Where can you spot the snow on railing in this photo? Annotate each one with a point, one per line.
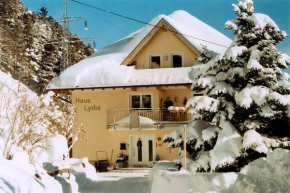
(142, 118)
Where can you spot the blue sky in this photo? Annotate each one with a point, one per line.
(106, 28)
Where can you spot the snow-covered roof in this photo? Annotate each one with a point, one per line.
(103, 68)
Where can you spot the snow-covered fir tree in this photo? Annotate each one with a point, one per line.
(246, 108)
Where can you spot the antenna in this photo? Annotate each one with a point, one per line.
(65, 60)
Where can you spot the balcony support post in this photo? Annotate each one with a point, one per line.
(139, 119)
(184, 147)
(130, 118)
(115, 120)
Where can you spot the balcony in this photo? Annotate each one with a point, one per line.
(146, 118)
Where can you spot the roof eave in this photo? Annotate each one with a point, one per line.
(59, 90)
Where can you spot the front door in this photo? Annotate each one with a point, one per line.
(142, 150)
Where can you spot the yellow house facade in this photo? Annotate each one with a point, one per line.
(122, 92)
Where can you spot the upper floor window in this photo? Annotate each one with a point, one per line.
(140, 101)
(154, 61)
(176, 60)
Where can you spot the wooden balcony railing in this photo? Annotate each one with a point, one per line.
(145, 118)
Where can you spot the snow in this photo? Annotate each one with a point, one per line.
(250, 94)
(10, 83)
(264, 174)
(172, 182)
(227, 147)
(174, 108)
(82, 166)
(244, 4)
(269, 174)
(202, 162)
(193, 131)
(56, 148)
(210, 133)
(15, 179)
(254, 64)
(278, 98)
(103, 69)
(107, 74)
(143, 120)
(25, 171)
(181, 20)
(202, 103)
(235, 51)
(236, 71)
(284, 59)
(222, 88)
(231, 23)
(205, 82)
(262, 20)
(162, 165)
(266, 111)
(254, 140)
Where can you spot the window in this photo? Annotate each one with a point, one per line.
(150, 150)
(141, 101)
(155, 62)
(176, 60)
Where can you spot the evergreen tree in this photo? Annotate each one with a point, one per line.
(246, 110)
(43, 12)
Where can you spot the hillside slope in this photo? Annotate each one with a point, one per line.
(31, 45)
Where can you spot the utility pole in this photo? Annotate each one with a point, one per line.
(91, 40)
(65, 60)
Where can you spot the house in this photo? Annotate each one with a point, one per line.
(122, 91)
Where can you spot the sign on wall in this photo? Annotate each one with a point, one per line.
(87, 104)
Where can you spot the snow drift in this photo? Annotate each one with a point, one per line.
(269, 174)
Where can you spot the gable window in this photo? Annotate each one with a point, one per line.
(140, 101)
(176, 60)
(154, 61)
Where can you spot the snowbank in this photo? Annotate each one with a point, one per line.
(16, 179)
(162, 165)
(269, 174)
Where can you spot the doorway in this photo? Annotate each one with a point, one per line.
(142, 150)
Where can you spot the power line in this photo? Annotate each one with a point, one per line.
(139, 21)
(109, 22)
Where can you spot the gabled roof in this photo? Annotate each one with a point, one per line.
(161, 25)
(103, 68)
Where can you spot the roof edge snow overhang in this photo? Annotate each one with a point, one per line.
(69, 90)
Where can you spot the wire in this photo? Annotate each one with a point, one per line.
(139, 21)
(109, 22)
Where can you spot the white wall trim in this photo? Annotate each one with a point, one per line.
(141, 93)
(155, 54)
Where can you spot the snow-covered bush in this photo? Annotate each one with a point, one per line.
(28, 122)
(247, 102)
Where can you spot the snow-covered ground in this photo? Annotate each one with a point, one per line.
(269, 174)
(121, 182)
